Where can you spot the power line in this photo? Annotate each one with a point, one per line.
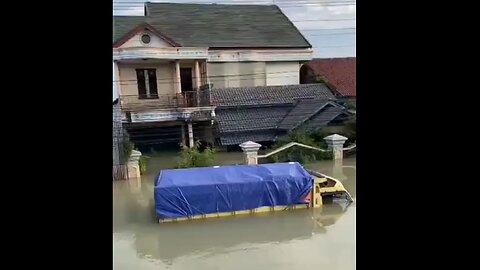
(170, 80)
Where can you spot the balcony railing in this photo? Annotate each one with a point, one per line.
(181, 100)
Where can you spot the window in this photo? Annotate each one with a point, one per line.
(147, 83)
(146, 38)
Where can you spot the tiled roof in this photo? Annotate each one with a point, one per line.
(261, 113)
(124, 24)
(244, 119)
(324, 117)
(340, 73)
(303, 110)
(263, 95)
(238, 138)
(214, 25)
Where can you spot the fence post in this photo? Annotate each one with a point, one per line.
(335, 143)
(250, 152)
(133, 165)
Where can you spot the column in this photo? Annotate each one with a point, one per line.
(182, 129)
(177, 80)
(190, 134)
(116, 80)
(250, 152)
(335, 143)
(197, 81)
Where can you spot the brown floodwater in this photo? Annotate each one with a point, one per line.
(321, 238)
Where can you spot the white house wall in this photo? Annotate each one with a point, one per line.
(236, 74)
(282, 73)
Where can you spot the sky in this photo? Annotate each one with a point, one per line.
(329, 25)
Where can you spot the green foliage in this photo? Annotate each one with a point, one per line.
(300, 154)
(320, 79)
(194, 157)
(351, 105)
(351, 130)
(127, 146)
(142, 162)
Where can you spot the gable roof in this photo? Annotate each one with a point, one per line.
(303, 110)
(140, 28)
(124, 24)
(217, 26)
(327, 115)
(339, 72)
(264, 95)
(264, 112)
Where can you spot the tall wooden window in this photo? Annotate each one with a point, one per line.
(147, 83)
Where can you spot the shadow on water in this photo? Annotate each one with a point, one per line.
(134, 215)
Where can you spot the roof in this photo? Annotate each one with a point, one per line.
(243, 119)
(303, 110)
(340, 74)
(122, 25)
(252, 135)
(264, 95)
(217, 26)
(328, 114)
(263, 113)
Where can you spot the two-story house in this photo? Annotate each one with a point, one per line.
(167, 61)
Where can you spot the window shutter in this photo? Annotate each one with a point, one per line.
(142, 92)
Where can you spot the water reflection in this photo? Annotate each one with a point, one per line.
(169, 241)
(134, 218)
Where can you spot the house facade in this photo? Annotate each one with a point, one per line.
(167, 62)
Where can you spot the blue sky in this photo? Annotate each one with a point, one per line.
(329, 25)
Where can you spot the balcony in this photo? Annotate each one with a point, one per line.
(191, 99)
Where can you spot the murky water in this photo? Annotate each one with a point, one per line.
(302, 239)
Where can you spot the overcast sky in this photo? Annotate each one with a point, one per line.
(329, 25)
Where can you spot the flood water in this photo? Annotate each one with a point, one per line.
(321, 238)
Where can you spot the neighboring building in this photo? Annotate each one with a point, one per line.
(166, 63)
(265, 113)
(338, 73)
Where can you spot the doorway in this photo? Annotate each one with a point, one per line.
(186, 79)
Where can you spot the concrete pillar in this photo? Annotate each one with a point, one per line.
(182, 129)
(116, 81)
(250, 152)
(203, 67)
(177, 80)
(197, 81)
(335, 143)
(133, 165)
(190, 134)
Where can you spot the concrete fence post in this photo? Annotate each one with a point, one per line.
(335, 144)
(133, 165)
(250, 152)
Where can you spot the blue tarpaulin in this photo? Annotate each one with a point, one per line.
(198, 191)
